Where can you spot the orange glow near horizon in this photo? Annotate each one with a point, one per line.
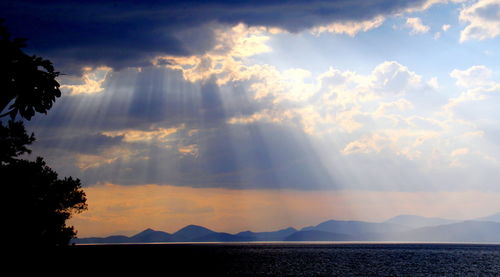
(126, 210)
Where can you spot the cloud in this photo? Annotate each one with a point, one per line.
(433, 83)
(191, 149)
(228, 65)
(478, 85)
(225, 59)
(93, 81)
(218, 119)
(231, 159)
(483, 18)
(392, 77)
(459, 152)
(75, 34)
(334, 100)
(161, 135)
(463, 157)
(158, 128)
(376, 119)
(104, 158)
(398, 105)
(350, 28)
(416, 26)
(475, 76)
(429, 3)
(366, 145)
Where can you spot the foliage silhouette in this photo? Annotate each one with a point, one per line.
(13, 141)
(27, 83)
(41, 201)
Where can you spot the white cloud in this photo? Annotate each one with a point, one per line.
(350, 28)
(478, 86)
(233, 45)
(429, 3)
(416, 26)
(398, 105)
(369, 114)
(339, 97)
(433, 83)
(392, 77)
(459, 152)
(475, 76)
(444, 28)
(483, 18)
(374, 143)
(92, 78)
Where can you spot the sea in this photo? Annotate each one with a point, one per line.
(295, 259)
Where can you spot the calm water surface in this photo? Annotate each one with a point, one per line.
(308, 259)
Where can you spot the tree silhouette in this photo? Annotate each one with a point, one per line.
(27, 83)
(13, 141)
(43, 203)
(39, 202)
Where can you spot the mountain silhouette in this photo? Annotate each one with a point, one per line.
(268, 236)
(150, 235)
(110, 239)
(493, 218)
(483, 229)
(355, 227)
(467, 231)
(315, 235)
(192, 233)
(414, 221)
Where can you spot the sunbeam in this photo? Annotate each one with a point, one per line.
(259, 122)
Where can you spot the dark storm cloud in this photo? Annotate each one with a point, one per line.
(129, 33)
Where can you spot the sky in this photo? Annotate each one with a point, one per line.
(261, 115)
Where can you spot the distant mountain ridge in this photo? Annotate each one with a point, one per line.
(356, 227)
(493, 218)
(192, 233)
(414, 221)
(466, 231)
(150, 235)
(399, 228)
